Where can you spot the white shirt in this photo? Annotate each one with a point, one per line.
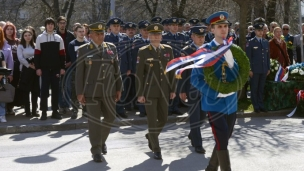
(228, 56)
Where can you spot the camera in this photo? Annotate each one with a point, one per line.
(5, 71)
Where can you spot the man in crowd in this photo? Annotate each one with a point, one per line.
(50, 65)
(297, 46)
(98, 86)
(289, 40)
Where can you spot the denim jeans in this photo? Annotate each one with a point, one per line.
(2, 109)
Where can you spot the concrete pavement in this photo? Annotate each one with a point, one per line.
(22, 124)
(257, 144)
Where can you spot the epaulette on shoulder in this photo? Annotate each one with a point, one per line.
(250, 39)
(166, 33)
(144, 47)
(166, 46)
(186, 47)
(84, 45)
(109, 43)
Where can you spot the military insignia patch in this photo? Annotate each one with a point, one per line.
(115, 20)
(222, 17)
(130, 25)
(174, 20)
(137, 59)
(261, 25)
(155, 27)
(100, 26)
(110, 52)
(167, 55)
(146, 24)
(201, 30)
(91, 46)
(247, 44)
(157, 19)
(194, 21)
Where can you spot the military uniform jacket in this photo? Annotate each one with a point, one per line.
(137, 43)
(210, 100)
(97, 71)
(121, 42)
(258, 54)
(152, 81)
(177, 42)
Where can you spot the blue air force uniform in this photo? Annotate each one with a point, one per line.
(121, 42)
(257, 50)
(197, 115)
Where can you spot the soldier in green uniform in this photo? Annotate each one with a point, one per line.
(98, 86)
(154, 86)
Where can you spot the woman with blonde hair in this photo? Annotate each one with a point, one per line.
(278, 49)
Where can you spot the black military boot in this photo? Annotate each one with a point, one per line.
(224, 160)
(213, 163)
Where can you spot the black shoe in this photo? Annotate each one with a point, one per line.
(157, 155)
(123, 115)
(177, 112)
(142, 114)
(263, 110)
(149, 143)
(190, 140)
(97, 158)
(200, 150)
(43, 116)
(35, 114)
(56, 115)
(74, 115)
(104, 149)
(256, 110)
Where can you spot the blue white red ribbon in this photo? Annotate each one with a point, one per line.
(298, 100)
(280, 74)
(203, 58)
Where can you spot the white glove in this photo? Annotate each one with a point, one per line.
(229, 58)
(225, 95)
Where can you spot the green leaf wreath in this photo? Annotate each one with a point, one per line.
(228, 87)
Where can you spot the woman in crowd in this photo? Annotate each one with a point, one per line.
(29, 81)
(10, 36)
(8, 57)
(34, 37)
(277, 47)
(86, 31)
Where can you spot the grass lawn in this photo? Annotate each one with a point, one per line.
(245, 104)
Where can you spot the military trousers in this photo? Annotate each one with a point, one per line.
(157, 115)
(222, 127)
(257, 84)
(196, 118)
(99, 129)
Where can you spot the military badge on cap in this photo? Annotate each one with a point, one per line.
(174, 20)
(130, 25)
(100, 26)
(155, 27)
(115, 20)
(201, 30)
(218, 18)
(222, 17)
(146, 24)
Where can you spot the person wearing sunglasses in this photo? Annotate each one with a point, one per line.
(289, 41)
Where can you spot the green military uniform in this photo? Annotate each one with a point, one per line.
(155, 85)
(98, 79)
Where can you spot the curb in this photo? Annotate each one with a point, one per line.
(117, 123)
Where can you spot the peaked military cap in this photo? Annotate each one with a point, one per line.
(155, 28)
(130, 25)
(156, 20)
(165, 21)
(173, 20)
(204, 21)
(143, 24)
(97, 27)
(194, 21)
(259, 23)
(115, 20)
(181, 21)
(199, 30)
(218, 18)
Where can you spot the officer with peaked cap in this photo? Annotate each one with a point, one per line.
(166, 25)
(187, 91)
(98, 86)
(120, 41)
(177, 41)
(156, 19)
(194, 21)
(221, 108)
(257, 50)
(154, 86)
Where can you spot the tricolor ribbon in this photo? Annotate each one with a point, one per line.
(204, 57)
(280, 74)
(298, 100)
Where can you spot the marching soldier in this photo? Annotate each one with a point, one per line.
(154, 87)
(138, 43)
(187, 91)
(119, 40)
(177, 41)
(98, 86)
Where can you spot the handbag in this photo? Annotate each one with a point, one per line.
(7, 93)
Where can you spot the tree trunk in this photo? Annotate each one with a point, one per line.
(259, 9)
(286, 11)
(271, 8)
(243, 18)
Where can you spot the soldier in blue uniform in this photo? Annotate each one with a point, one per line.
(166, 25)
(194, 21)
(177, 41)
(156, 19)
(120, 41)
(138, 43)
(187, 91)
(209, 36)
(257, 50)
(221, 108)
